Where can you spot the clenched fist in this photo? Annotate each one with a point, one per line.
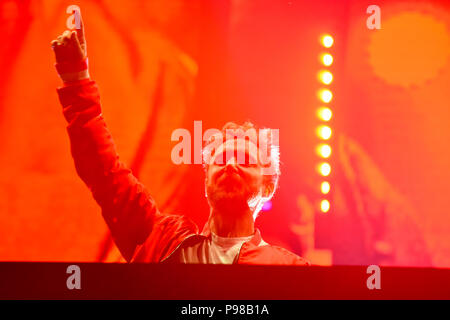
(71, 55)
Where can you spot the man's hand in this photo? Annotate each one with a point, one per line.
(70, 53)
(70, 45)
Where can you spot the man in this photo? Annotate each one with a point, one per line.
(236, 190)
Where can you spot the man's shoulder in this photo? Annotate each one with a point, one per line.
(176, 222)
(169, 231)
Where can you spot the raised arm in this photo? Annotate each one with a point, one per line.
(127, 207)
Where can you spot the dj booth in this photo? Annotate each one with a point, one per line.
(39, 280)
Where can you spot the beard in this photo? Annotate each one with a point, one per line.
(231, 194)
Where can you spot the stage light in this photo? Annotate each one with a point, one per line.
(325, 187)
(324, 169)
(267, 206)
(325, 95)
(324, 114)
(323, 150)
(324, 132)
(327, 41)
(326, 77)
(324, 206)
(327, 59)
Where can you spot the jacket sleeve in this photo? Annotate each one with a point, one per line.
(128, 209)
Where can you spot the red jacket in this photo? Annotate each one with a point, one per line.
(140, 231)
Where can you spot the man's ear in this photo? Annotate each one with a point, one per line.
(269, 188)
(206, 185)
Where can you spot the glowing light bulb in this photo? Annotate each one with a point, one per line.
(324, 169)
(325, 187)
(324, 132)
(327, 59)
(326, 77)
(325, 95)
(323, 150)
(327, 41)
(324, 113)
(324, 206)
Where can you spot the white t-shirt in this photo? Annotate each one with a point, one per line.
(216, 250)
(224, 250)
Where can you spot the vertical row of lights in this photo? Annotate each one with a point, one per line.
(324, 113)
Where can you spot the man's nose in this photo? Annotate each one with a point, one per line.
(231, 164)
(231, 161)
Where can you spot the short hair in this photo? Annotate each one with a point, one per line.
(272, 149)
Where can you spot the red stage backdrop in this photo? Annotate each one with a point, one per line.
(161, 65)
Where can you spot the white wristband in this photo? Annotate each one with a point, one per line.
(75, 76)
